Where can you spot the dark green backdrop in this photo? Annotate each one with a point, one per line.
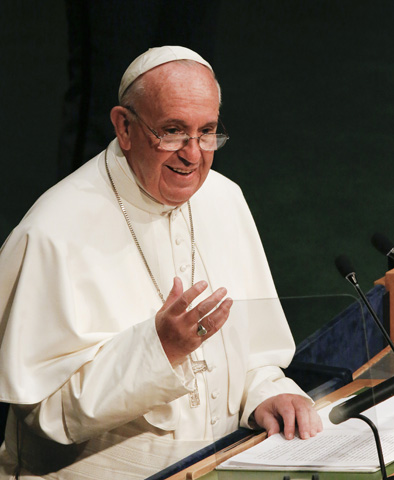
(308, 100)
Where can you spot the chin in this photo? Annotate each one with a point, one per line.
(177, 200)
(175, 203)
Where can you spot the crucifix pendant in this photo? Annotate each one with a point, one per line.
(198, 366)
(194, 396)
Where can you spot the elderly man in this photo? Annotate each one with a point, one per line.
(117, 356)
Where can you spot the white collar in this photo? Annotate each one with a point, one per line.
(128, 185)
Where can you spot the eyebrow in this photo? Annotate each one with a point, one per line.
(178, 121)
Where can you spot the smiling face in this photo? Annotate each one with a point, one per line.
(177, 98)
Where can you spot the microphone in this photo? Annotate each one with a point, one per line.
(385, 246)
(347, 271)
(352, 408)
(365, 400)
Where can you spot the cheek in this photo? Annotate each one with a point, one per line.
(155, 170)
(150, 163)
(207, 163)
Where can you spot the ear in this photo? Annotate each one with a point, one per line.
(122, 126)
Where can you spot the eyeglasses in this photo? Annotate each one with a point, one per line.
(176, 141)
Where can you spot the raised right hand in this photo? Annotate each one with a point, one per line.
(177, 326)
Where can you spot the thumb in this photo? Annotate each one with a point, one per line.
(175, 293)
(271, 424)
(265, 418)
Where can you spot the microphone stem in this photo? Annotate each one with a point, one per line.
(374, 316)
(377, 442)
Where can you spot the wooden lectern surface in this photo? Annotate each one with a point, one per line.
(205, 469)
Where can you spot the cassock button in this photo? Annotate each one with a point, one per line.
(215, 394)
(178, 241)
(183, 268)
(214, 420)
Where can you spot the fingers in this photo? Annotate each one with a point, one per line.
(289, 421)
(204, 307)
(266, 415)
(183, 301)
(214, 321)
(316, 423)
(299, 413)
(308, 420)
(272, 425)
(177, 327)
(175, 293)
(291, 411)
(178, 304)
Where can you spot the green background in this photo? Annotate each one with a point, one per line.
(308, 101)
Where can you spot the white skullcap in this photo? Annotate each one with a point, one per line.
(153, 58)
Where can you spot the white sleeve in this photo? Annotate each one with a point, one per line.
(117, 386)
(72, 377)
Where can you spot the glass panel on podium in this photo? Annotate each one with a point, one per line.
(346, 344)
(270, 347)
(339, 339)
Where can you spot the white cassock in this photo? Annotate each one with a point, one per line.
(80, 356)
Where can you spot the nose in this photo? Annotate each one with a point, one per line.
(191, 152)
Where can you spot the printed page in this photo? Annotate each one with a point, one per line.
(349, 446)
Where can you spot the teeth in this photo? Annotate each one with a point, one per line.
(178, 170)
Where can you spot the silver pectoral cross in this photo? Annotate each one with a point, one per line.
(198, 366)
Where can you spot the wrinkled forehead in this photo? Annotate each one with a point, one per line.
(178, 85)
(179, 74)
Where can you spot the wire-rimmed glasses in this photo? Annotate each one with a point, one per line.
(176, 141)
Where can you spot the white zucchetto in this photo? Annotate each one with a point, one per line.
(155, 57)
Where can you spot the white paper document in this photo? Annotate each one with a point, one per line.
(349, 446)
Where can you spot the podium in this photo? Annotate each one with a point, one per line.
(381, 367)
(371, 373)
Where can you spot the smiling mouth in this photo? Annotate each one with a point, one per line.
(180, 171)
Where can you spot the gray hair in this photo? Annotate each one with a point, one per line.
(137, 89)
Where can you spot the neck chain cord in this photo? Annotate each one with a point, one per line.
(127, 218)
(198, 366)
